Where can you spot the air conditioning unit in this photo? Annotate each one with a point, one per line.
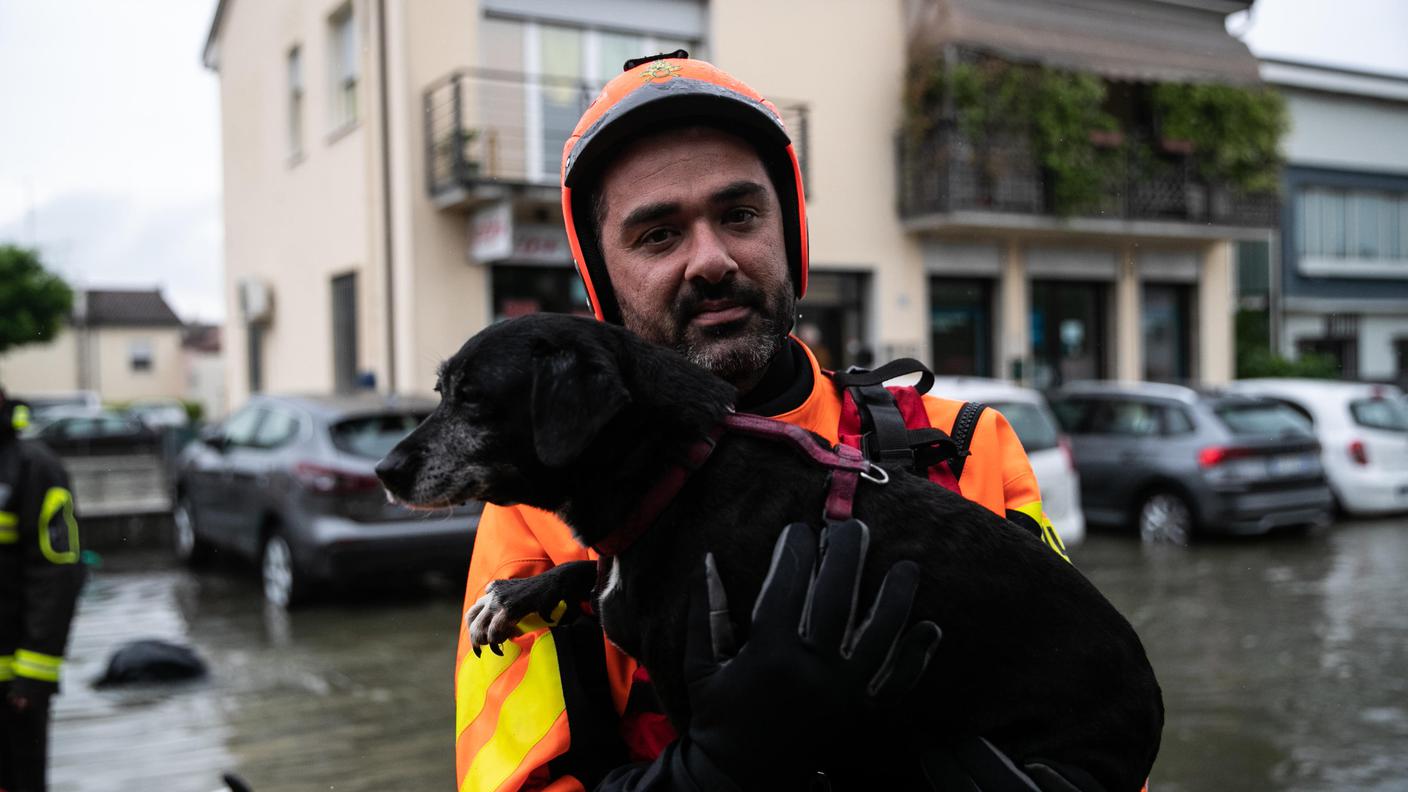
(256, 300)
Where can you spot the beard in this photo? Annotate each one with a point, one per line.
(736, 352)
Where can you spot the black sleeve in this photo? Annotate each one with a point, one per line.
(52, 572)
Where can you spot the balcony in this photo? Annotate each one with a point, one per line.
(946, 181)
(491, 135)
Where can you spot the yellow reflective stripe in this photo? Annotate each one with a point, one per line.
(7, 668)
(535, 622)
(56, 499)
(33, 665)
(19, 419)
(9, 531)
(475, 676)
(1048, 531)
(527, 715)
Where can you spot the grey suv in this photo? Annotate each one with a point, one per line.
(1173, 460)
(288, 482)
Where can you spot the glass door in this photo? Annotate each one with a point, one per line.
(1068, 332)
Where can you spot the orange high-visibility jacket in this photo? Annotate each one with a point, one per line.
(511, 714)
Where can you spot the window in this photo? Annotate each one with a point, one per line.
(279, 427)
(1128, 418)
(1031, 424)
(1263, 418)
(373, 436)
(520, 290)
(1176, 421)
(295, 102)
(344, 332)
(345, 51)
(1380, 413)
(1167, 332)
(240, 428)
(1352, 232)
(139, 354)
(960, 326)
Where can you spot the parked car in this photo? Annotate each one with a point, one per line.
(86, 431)
(1363, 432)
(1174, 461)
(1048, 449)
(159, 413)
(287, 482)
(41, 403)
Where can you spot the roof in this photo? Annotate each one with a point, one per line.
(1149, 40)
(1335, 79)
(331, 406)
(202, 338)
(982, 389)
(126, 308)
(1129, 388)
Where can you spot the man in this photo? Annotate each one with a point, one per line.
(684, 208)
(40, 577)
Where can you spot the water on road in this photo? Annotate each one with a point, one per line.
(1284, 666)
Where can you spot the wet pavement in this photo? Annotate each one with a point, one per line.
(1284, 664)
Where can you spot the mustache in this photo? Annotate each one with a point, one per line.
(744, 294)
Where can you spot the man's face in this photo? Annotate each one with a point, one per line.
(692, 238)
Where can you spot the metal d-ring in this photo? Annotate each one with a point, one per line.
(884, 477)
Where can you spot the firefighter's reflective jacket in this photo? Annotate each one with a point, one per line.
(561, 706)
(40, 572)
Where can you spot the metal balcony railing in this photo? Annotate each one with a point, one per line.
(943, 172)
(487, 126)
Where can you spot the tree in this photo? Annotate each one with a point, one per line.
(33, 301)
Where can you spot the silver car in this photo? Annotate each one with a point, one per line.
(287, 482)
(1172, 460)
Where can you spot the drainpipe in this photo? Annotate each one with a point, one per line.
(390, 288)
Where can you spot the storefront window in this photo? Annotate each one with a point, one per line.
(833, 319)
(960, 326)
(1068, 332)
(520, 290)
(1167, 325)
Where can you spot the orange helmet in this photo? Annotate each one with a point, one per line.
(670, 90)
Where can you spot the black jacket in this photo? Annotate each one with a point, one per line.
(40, 570)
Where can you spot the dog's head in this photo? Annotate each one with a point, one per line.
(519, 404)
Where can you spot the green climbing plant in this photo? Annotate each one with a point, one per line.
(1235, 131)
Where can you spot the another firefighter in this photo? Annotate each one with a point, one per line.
(684, 207)
(40, 577)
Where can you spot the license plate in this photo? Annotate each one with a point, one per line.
(1290, 465)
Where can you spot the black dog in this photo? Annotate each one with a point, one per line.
(581, 418)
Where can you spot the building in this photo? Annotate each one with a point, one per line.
(120, 344)
(205, 369)
(1340, 284)
(391, 182)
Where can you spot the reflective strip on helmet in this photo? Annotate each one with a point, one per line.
(9, 528)
(58, 500)
(1048, 531)
(7, 668)
(33, 665)
(497, 740)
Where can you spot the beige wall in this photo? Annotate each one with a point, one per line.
(295, 222)
(42, 368)
(853, 96)
(115, 380)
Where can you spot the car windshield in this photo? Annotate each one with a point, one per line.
(1034, 428)
(1380, 413)
(373, 436)
(1268, 419)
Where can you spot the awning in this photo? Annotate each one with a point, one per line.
(1144, 40)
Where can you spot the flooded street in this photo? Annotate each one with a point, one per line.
(1282, 663)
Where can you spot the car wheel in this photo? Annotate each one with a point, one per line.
(284, 584)
(189, 547)
(1165, 518)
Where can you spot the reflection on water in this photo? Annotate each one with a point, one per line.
(1282, 662)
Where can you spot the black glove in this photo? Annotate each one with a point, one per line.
(815, 665)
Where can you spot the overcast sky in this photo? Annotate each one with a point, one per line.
(110, 141)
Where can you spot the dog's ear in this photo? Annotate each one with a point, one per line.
(573, 399)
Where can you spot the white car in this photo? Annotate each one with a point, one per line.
(1363, 434)
(1047, 448)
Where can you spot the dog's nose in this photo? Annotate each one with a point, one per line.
(395, 471)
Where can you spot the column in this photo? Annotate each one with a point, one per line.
(1129, 317)
(1015, 343)
(1214, 326)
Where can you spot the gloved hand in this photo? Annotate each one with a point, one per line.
(798, 693)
